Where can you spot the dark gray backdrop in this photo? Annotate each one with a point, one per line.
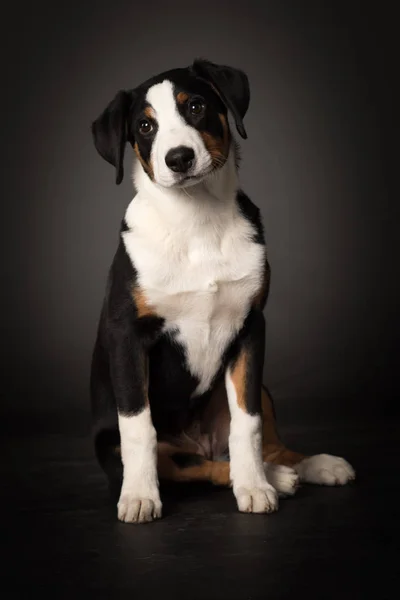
(319, 161)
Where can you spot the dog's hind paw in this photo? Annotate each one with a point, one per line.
(325, 469)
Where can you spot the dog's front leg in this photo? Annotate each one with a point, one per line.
(139, 501)
(243, 379)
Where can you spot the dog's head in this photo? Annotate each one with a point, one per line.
(177, 123)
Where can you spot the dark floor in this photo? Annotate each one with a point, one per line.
(61, 536)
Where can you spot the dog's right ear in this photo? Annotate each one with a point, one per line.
(231, 84)
(110, 131)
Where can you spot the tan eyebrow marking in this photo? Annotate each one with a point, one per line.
(182, 97)
(149, 112)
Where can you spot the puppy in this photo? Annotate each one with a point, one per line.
(176, 378)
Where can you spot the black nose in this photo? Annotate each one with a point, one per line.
(179, 159)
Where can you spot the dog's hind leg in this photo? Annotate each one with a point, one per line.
(323, 469)
(184, 460)
(176, 464)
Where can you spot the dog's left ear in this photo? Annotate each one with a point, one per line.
(231, 84)
(110, 131)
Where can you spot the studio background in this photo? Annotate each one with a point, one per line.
(319, 161)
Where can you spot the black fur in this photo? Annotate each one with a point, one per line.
(231, 84)
(124, 227)
(251, 341)
(130, 346)
(251, 212)
(110, 131)
(120, 354)
(119, 122)
(208, 120)
(183, 460)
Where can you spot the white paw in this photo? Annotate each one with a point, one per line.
(262, 499)
(132, 509)
(325, 469)
(284, 479)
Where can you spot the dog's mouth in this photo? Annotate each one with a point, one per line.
(189, 180)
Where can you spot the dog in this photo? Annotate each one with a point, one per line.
(176, 375)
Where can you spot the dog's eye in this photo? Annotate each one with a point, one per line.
(196, 107)
(145, 126)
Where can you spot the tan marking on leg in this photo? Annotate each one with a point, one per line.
(208, 470)
(280, 455)
(147, 166)
(182, 97)
(239, 378)
(269, 432)
(215, 420)
(220, 473)
(144, 309)
(273, 449)
(217, 412)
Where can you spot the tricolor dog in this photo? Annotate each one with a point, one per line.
(176, 380)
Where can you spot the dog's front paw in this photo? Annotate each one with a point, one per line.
(284, 479)
(325, 469)
(132, 509)
(260, 499)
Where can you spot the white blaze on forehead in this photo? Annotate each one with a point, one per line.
(161, 97)
(173, 131)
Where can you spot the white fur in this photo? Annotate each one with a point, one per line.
(325, 469)
(199, 267)
(284, 479)
(250, 486)
(173, 131)
(196, 263)
(139, 501)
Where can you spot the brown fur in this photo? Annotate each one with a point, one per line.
(147, 166)
(214, 471)
(149, 112)
(226, 135)
(218, 472)
(144, 309)
(216, 146)
(239, 379)
(182, 97)
(273, 449)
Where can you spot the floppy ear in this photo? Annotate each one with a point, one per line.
(110, 131)
(231, 84)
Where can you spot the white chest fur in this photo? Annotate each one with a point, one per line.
(199, 270)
